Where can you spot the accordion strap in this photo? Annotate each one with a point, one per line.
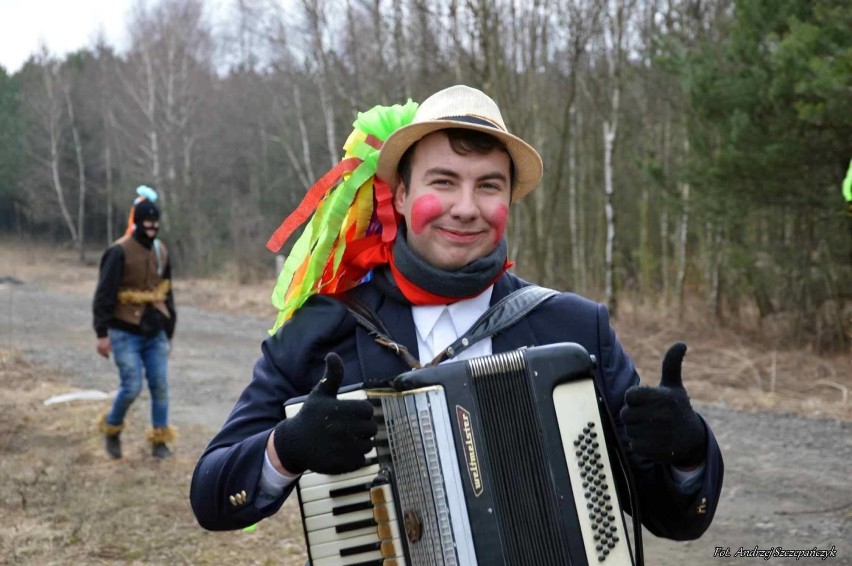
(367, 318)
(503, 314)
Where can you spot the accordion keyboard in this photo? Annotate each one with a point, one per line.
(350, 519)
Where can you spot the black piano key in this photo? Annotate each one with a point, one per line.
(355, 525)
(343, 509)
(350, 490)
(361, 549)
(376, 562)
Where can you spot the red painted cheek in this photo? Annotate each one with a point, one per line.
(498, 219)
(423, 211)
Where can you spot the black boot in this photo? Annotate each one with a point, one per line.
(158, 437)
(113, 445)
(160, 450)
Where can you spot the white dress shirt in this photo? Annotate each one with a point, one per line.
(439, 326)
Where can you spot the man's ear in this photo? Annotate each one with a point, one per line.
(399, 197)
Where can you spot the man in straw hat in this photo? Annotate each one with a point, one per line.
(134, 319)
(444, 183)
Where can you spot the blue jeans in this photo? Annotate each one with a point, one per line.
(132, 353)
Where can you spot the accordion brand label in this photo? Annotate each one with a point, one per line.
(469, 445)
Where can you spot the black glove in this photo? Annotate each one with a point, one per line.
(660, 422)
(327, 435)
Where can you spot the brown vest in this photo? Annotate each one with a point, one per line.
(140, 284)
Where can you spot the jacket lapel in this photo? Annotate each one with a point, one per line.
(380, 364)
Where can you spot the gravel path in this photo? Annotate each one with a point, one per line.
(787, 480)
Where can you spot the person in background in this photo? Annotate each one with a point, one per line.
(446, 176)
(134, 318)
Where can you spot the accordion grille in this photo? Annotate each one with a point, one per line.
(420, 482)
(525, 498)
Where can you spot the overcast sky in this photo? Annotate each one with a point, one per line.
(64, 25)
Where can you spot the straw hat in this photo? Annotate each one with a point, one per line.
(461, 107)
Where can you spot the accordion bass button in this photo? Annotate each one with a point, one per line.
(413, 526)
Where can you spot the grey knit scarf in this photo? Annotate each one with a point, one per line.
(469, 280)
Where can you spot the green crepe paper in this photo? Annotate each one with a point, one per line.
(324, 228)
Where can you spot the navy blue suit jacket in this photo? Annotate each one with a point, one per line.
(293, 362)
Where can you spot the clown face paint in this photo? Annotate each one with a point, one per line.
(424, 210)
(501, 215)
(457, 205)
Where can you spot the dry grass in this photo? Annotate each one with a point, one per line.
(65, 502)
(735, 369)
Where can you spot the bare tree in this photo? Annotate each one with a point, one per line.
(579, 20)
(81, 170)
(315, 14)
(45, 108)
(615, 32)
(682, 238)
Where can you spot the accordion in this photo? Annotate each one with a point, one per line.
(494, 460)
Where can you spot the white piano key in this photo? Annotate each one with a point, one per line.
(323, 536)
(346, 560)
(359, 558)
(322, 506)
(326, 520)
(312, 491)
(379, 531)
(388, 549)
(376, 496)
(310, 479)
(381, 513)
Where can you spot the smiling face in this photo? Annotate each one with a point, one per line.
(456, 206)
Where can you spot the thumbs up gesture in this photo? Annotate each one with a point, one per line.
(660, 422)
(327, 435)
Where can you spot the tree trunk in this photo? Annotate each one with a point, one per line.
(81, 176)
(109, 128)
(614, 56)
(54, 135)
(681, 247)
(609, 131)
(573, 228)
(303, 136)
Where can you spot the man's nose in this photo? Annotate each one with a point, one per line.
(465, 205)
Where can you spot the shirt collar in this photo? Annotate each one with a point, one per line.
(462, 313)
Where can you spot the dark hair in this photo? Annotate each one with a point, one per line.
(463, 142)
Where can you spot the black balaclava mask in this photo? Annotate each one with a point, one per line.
(144, 210)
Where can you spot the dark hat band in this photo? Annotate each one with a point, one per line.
(473, 120)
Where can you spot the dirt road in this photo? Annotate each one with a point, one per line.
(787, 479)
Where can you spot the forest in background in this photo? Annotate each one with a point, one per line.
(694, 149)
